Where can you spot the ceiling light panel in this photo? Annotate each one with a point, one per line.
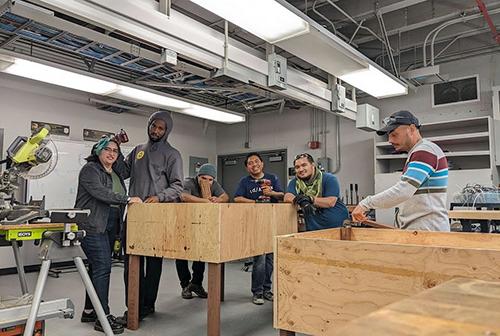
(266, 19)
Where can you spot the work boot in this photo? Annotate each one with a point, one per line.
(88, 317)
(198, 290)
(116, 327)
(186, 292)
(123, 320)
(269, 296)
(258, 299)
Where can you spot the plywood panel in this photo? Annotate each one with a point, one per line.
(322, 284)
(475, 214)
(207, 232)
(182, 231)
(261, 225)
(428, 238)
(457, 307)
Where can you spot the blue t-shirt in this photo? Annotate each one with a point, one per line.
(249, 188)
(325, 218)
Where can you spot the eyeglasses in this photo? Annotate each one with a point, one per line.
(303, 155)
(398, 119)
(113, 150)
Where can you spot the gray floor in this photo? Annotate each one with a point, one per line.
(174, 316)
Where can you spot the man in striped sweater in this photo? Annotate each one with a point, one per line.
(421, 192)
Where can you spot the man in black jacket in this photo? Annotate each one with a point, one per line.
(155, 172)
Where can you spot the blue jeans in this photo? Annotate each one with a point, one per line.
(98, 248)
(261, 273)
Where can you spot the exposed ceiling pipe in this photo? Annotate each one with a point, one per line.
(388, 44)
(424, 23)
(345, 38)
(446, 24)
(354, 21)
(487, 17)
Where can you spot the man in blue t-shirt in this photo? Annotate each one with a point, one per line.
(317, 194)
(259, 187)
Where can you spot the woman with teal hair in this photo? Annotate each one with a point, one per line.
(101, 189)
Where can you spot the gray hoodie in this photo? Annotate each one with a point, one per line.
(154, 168)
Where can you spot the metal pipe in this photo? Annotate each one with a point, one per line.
(226, 44)
(101, 315)
(356, 31)
(20, 267)
(338, 164)
(354, 21)
(495, 11)
(446, 24)
(37, 297)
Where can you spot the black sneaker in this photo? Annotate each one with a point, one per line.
(198, 290)
(186, 293)
(116, 327)
(269, 296)
(88, 317)
(258, 299)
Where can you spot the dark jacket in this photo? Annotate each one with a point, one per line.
(95, 192)
(154, 168)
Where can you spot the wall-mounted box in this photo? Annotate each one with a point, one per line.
(367, 117)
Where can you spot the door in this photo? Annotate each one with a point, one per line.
(231, 168)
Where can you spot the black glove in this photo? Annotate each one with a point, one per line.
(305, 203)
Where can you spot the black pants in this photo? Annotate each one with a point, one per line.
(149, 277)
(185, 275)
(98, 248)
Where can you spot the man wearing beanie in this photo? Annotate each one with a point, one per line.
(200, 189)
(421, 192)
(155, 172)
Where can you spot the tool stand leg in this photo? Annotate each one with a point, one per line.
(20, 267)
(93, 296)
(37, 298)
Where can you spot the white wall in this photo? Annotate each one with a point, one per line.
(419, 103)
(291, 130)
(25, 100)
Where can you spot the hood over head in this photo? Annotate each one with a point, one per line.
(167, 118)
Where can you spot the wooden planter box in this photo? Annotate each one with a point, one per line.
(325, 279)
(213, 233)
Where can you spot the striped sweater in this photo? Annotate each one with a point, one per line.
(421, 193)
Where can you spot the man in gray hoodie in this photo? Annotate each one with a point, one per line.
(155, 172)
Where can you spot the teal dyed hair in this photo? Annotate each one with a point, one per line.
(101, 144)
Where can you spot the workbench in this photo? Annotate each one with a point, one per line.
(325, 279)
(457, 307)
(212, 233)
(467, 217)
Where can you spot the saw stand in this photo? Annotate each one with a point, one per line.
(54, 241)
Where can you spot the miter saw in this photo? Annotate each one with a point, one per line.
(27, 158)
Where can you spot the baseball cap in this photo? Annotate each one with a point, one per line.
(397, 119)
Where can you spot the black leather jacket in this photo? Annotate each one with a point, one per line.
(95, 192)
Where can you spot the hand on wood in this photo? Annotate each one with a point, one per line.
(152, 199)
(134, 200)
(359, 214)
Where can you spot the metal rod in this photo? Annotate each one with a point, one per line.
(20, 267)
(226, 44)
(37, 298)
(101, 315)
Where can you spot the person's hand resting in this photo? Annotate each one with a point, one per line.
(152, 199)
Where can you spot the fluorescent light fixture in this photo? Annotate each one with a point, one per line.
(44, 73)
(375, 82)
(214, 114)
(149, 98)
(73, 80)
(266, 19)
